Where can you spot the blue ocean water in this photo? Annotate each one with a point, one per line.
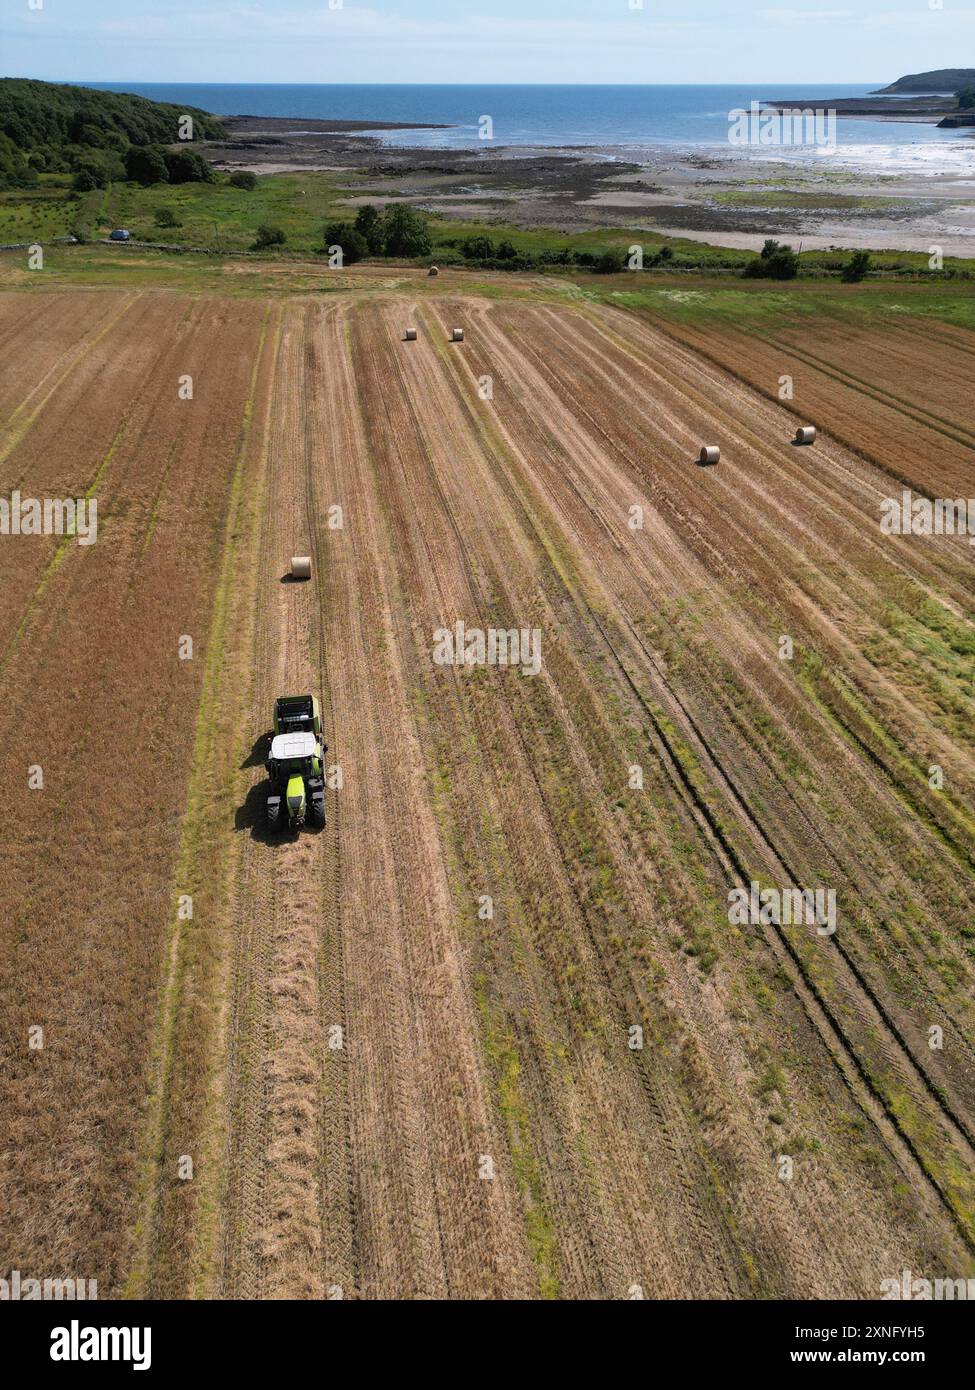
(627, 118)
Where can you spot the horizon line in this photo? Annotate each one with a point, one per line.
(195, 82)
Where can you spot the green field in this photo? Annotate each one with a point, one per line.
(223, 219)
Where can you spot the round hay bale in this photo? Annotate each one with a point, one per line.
(434, 270)
(805, 434)
(301, 567)
(710, 453)
(410, 336)
(457, 336)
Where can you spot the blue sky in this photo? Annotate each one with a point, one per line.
(481, 40)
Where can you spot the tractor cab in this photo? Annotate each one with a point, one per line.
(296, 753)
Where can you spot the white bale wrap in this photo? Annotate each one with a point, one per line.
(457, 336)
(301, 567)
(410, 335)
(806, 434)
(710, 453)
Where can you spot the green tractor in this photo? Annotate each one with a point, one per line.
(295, 764)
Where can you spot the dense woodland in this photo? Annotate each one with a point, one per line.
(47, 127)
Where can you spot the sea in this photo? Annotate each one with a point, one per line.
(622, 122)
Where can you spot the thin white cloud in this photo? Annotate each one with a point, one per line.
(938, 24)
(807, 16)
(352, 23)
(145, 27)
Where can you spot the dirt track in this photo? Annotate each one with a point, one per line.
(402, 1049)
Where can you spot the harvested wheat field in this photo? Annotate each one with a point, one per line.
(496, 1031)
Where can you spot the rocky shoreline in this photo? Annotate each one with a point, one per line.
(719, 198)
